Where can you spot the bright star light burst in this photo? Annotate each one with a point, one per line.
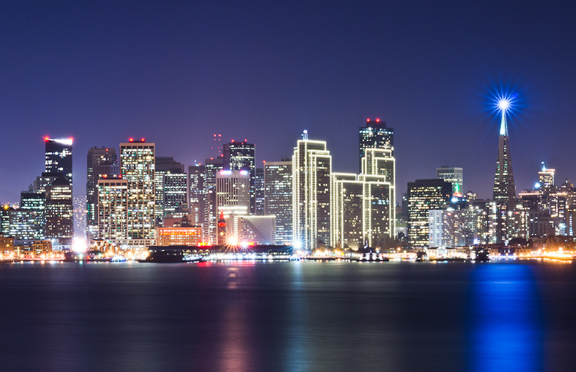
(504, 102)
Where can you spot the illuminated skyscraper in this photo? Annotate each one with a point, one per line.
(233, 192)
(196, 174)
(100, 161)
(59, 211)
(374, 135)
(363, 212)
(278, 197)
(242, 156)
(137, 167)
(58, 157)
(453, 175)
(113, 210)
(504, 188)
(209, 231)
(311, 187)
(171, 188)
(423, 196)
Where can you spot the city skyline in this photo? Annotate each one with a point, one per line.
(393, 62)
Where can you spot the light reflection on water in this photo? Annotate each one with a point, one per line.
(506, 320)
(301, 316)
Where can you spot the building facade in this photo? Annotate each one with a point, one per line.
(137, 167)
(278, 198)
(311, 187)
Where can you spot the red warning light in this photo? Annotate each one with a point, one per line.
(368, 120)
(143, 140)
(377, 120)
(46, 138)
(130, 139)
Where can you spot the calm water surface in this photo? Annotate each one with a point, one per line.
(299, 316)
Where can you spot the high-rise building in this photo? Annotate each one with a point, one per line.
(209, 225)
(374, 135)
(454, 175)
(278, 197)
(363, 206)
(113, 207)
(100, 161)
(196, 174)
(423, 196)
(546, 177)
(259, 192)
(58, 157)
(242, 156)
(137, 167)
(171, 188)
(311, 187)
(504, 188)
(60, 211)
(233, 192)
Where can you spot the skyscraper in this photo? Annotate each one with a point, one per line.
(454, 175)
(171, 187)
(278, 197)
(59, 211)
(242, 156)
(504, 188)
(311, 187)
(423, 196)
(100, 161)
(137, 166)
(363, 206)
(113, 209)
(209, 225)
(58, 157)
(196, 174)
(374, 135)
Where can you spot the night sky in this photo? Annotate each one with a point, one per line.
(265, 70)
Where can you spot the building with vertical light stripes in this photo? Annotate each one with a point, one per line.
(311, 185)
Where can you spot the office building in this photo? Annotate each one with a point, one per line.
(423, 196)
(363, 206)
(171, 184)
(504, 188)
(454, 175)
(58, 157)
(59, 212)
(374, 135)
(113, 210)
(311, 187)
(137, 167)
(278, 198)
(100, 161)
(242, 156)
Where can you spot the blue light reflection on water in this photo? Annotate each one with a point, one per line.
(505, 320)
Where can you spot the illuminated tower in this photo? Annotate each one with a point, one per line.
(504, 189)
(241, 156)
(137, 166)
(375, 135)
(278, 197)
(311, 185)
(100, 161)
(59, 211)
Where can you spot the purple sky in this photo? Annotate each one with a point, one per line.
(265, 70)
